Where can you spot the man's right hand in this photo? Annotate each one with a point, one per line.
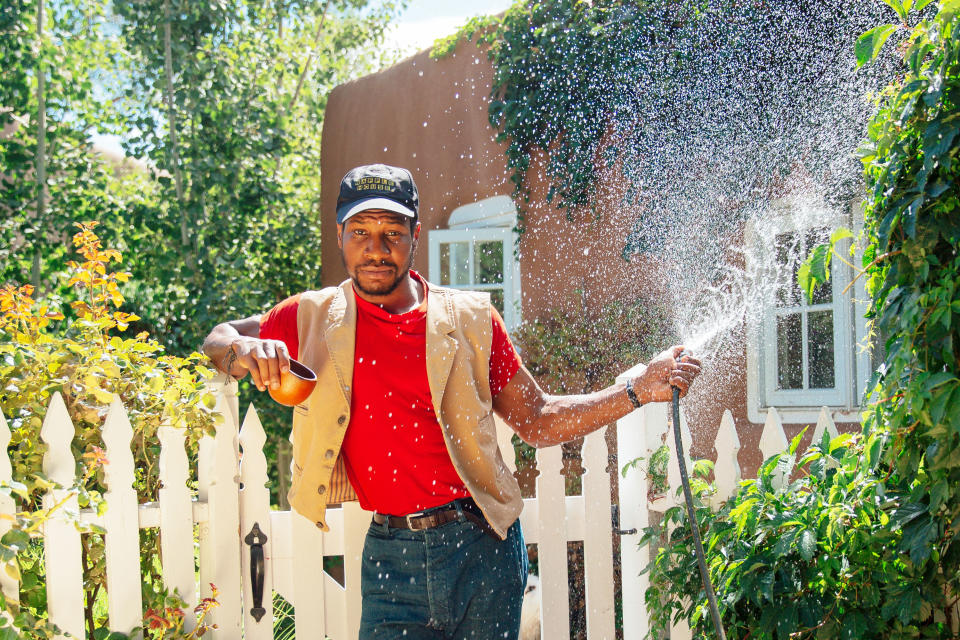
(264, 359)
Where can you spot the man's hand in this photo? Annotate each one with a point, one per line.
(667, 370)
(264, 359)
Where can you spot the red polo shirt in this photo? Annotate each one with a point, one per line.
(394, 450)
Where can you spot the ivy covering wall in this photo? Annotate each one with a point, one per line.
(696, 107)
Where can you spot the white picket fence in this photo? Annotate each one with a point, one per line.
(232, 499)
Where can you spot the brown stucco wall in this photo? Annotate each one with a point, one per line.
(431, 117)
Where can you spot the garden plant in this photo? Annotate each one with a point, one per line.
(82, 353)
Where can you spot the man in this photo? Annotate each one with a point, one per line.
(409, 375)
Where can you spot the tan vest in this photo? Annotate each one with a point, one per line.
(458, 338)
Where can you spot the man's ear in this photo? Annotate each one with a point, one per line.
(416, 238)
(340, 236)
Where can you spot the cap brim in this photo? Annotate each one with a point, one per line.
(385, 204)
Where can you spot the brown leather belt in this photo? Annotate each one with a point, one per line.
(437, 516)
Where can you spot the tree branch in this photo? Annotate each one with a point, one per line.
(40, 161)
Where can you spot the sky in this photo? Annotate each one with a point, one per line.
(426, 20)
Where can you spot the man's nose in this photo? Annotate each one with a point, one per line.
(377, 245)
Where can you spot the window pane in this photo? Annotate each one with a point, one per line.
(820, 344)
(824, 292)
(489, 262)
(455, 263)
(790, 352)
(496, 299)
(788, 293)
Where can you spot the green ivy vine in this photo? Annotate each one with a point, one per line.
(657, 93)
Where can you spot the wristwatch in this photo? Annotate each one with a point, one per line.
(633, 395)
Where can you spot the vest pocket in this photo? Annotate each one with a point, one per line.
(300, 409)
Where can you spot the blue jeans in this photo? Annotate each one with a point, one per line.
(451, 582)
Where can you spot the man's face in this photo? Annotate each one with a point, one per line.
(377, 249)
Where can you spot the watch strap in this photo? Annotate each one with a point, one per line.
(633, 395)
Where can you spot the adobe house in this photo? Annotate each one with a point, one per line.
(431, 117)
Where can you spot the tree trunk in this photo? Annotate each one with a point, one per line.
(40, 162)
(303, 76)
(172, 123)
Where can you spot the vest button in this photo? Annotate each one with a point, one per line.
(319, 525)
(341, 419)
(321, 489)
(328, 454)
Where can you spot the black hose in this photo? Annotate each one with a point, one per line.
(694, 525)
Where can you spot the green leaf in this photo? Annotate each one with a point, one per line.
(948, 9)
(921, 5)
(870, 42)
(899, 7)
(855, 625)
(907, 513)
(919, 538)
(840, 233)
(815, 270)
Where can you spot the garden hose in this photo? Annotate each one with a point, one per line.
(688, 495)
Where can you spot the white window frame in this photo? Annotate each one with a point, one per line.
(484, 221)
(851, 362)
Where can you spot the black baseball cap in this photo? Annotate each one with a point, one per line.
(377, 186)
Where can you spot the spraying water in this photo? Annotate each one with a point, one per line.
(755, 142)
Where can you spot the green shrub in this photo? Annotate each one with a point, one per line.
(87, 362)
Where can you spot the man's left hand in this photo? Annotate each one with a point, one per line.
(672, 368)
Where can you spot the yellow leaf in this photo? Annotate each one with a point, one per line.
(102, 395)
(12, 569)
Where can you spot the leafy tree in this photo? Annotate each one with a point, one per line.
(52, 55)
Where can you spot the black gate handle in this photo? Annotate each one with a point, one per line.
(256, 539)
(615, 521)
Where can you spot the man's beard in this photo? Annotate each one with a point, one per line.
(385, 288)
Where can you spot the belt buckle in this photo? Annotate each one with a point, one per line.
(410, 524)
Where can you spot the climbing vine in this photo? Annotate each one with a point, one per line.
(669, 99)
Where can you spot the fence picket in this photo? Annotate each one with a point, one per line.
(356, 521)
(218, 485)
(176, 521)
(638, 434)
(255, 511)
(597, 542)
(726, 472)
(8, 510)
(674, 497)
(824, 424)
(552, 545)
(309, 590)
(773, 440)
(61, 540)
(121, 524)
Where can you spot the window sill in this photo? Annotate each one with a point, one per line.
(803, 415)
